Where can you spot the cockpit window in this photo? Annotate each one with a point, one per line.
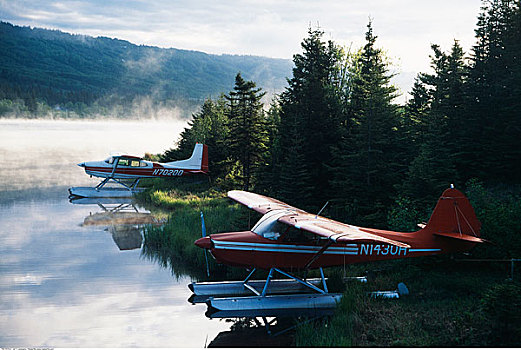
(123, 161)
(134, 163)
(269, 227)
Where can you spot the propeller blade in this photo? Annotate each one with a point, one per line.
(203, 229)
(207, 266)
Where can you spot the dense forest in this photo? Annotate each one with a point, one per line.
(48, 71)
(335, 133)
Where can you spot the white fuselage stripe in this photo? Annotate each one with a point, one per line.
(413, 250)
(350, 249)
(259, 249)
(347, 246)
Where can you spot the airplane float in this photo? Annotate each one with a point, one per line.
(287, 239)
(118, 168)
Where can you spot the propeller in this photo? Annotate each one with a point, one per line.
(203, 229)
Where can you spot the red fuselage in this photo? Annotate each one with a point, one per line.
(133, 172)
(248, 249)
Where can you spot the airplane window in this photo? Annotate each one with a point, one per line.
(142, 163)
(109, 160)
(295, 235)
(269, 227)
(134, 163)
(123, 161)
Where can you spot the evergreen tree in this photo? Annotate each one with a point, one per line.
(368, 160)
(208, 126)
(494, 92)
(443, 124)
(247, 129)
(413, 126)
(268, 172)
(310, 116)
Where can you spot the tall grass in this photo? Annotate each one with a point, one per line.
(450, 305)
(172, 245)
(339, 330)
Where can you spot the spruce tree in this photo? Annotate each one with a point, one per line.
(310, 115)
(247, 129)
(368, 159)
(443, 125)
(494, 92)
(208, 126)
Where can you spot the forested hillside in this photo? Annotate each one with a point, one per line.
(41, 68)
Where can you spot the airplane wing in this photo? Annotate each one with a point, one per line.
(335, 231)
(260, 203)
(302, 220)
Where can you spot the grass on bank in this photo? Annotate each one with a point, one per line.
(172, 244)
(450, 304)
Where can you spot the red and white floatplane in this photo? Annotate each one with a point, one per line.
(121, 168)
(289, 239)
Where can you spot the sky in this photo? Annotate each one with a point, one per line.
(273, 28)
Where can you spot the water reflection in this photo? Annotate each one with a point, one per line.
(263, 328)
(64, 283)
(121, 217)
(171, 260)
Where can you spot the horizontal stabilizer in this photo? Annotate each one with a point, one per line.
(461, 236)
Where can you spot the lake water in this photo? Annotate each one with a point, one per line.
(67, 278)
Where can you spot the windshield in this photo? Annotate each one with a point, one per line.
(268, 226)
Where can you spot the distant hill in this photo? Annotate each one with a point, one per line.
(57, 68)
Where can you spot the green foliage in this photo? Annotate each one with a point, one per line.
(493, 90)
(368, 160)
(500, 306)
(235, 130)
(439, 108)
(172, 244)
(208, 126)
(246, 142)
(310, 117)
(404, 215)
(340, 330)
(498, 209)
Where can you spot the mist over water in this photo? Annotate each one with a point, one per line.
(43, 153)
(64, 283)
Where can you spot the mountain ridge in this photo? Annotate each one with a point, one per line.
(58, 67)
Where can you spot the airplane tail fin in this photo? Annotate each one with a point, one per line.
(454, 217)
(198, 160)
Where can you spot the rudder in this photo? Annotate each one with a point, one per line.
(454, 217)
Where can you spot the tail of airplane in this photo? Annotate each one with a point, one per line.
(454, 217)
(198, 160)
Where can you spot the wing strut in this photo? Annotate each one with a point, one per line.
(318, 254)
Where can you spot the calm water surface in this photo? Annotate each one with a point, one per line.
(65, 282)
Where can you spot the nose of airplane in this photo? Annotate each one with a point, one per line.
(205, 242)
(82, 164)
